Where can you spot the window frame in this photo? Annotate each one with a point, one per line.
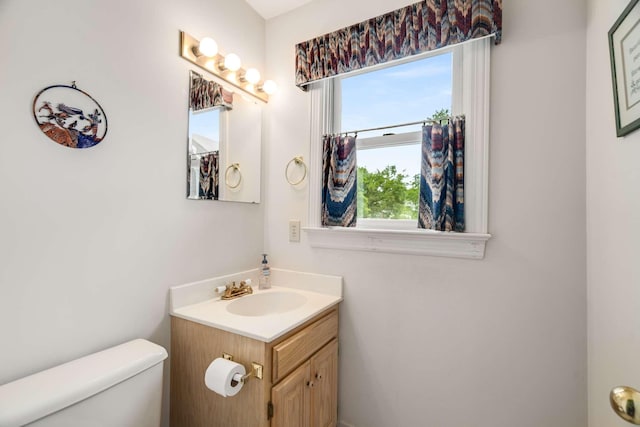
(470, 94)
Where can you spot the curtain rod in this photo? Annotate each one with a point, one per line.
(394, 126)
(203, 154)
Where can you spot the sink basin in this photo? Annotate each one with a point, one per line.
(264, 304)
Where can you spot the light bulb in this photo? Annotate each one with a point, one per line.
(208, 47)
(269, 87)
(252, 76)
(232, 62)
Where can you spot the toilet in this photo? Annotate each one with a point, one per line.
(117, 387)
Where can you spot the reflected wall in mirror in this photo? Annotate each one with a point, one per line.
(224, 143)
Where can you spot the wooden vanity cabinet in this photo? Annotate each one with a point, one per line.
(308, 396)
(300, 376)
(324, 386)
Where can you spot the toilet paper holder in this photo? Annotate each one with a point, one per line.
(256, 369)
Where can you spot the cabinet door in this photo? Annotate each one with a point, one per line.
(291, 399)
(324, 390)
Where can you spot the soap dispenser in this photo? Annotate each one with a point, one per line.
(265, 274)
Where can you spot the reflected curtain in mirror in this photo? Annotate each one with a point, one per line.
(339, 181)
(205, 94)
(207, 182)
(442, 176)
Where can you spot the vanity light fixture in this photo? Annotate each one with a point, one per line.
(269, 87)
(205, 54)
(230, 62)
(251, 75)
(207, 47)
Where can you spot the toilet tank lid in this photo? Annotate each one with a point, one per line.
(31, 398)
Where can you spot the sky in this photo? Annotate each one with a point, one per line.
(399, 94)
(205, 123)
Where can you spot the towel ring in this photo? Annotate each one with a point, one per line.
(235, 167)
(298, 161)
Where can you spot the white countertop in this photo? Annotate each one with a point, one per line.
(199, 303)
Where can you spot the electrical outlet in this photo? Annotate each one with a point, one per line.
(294, 230)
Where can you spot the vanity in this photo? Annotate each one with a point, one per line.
(287, 334)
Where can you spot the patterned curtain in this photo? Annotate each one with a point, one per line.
(339, 185)
(442, 177)
(209, 173)
(207, 94)
(417, 28)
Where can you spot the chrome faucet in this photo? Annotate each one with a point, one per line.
(235, 291)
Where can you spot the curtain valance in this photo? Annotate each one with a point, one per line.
(205, 94)
(417, 28)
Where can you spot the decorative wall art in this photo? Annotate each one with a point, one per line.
(624, 49)
(70, 116)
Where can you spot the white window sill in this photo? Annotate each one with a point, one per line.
(415, 242)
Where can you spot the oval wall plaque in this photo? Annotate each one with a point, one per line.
(70, 116)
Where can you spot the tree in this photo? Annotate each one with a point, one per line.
(413, 196)
(387, 194)
(441, 115)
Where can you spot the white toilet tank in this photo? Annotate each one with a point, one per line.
(117, 387)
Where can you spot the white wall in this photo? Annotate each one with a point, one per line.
(90, 240)
(613, 228)
(442, 342)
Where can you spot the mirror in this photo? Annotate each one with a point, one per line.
(224, 143)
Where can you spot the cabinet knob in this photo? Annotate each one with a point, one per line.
(310, 384)
(318, 376)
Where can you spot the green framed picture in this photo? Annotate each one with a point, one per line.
(624, 49)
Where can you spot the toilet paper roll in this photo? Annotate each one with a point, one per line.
(224, 377)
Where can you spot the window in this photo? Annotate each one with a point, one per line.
(468, 94)
(389, 159)
(204, 138)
